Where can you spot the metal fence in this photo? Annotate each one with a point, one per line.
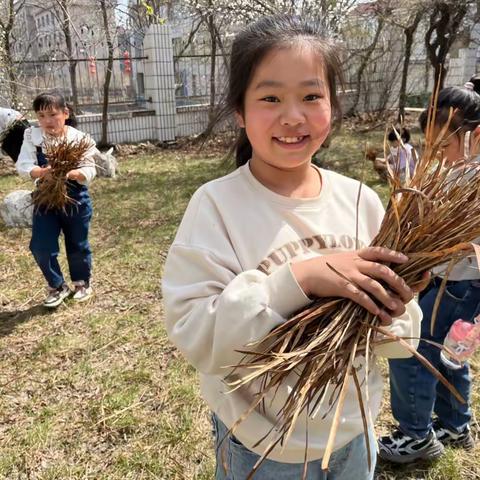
(126, 89)
(162, 88)
(193, 73)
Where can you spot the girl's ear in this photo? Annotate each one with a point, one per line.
(67, 112)
(239, 120)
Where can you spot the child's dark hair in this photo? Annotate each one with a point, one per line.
(54, 99)
(465, 100)
(404, 135)
(250, 47)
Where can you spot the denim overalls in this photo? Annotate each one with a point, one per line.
(415, 393)
(74, 223)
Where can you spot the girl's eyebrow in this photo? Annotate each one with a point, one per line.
(313, 82)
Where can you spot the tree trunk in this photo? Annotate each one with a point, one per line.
(108, 75)
(72, 63)
(6, 30)
(409, 35)
(363, 66)
(443, 30)
(213, 63)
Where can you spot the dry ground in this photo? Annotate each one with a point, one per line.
(96, 391)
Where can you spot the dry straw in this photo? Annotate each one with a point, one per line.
(432, 218)
(62, 156)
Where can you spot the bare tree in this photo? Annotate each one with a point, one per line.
(108, 75)
(10, 8)
(66, 25)
(365, 59)
(407, 16)
(444, 26)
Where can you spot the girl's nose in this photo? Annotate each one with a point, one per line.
(292, 114)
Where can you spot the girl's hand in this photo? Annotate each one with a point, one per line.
(75, 175)
(40, 172)
(357, 275)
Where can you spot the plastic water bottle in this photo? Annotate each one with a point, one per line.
(462, 339)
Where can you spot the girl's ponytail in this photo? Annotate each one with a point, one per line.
(243, 149)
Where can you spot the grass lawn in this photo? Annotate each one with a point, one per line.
(96, 391)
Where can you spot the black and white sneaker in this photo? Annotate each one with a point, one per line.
(449, 438)
(56, 296)
(401, 448)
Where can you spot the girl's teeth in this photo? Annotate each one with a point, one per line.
(290, 139)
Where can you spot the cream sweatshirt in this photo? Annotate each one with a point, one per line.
(227, 282)
(34, 137)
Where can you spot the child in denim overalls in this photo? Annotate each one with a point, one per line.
(416, 395)
(55, 118)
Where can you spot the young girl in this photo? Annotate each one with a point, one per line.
(253, 247)
(415, 393)
(53, 119)
(401, 157)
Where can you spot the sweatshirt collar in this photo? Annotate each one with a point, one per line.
(288, 202)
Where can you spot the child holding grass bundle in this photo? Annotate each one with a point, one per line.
(401, 155)
(74, 218)
(264, 241)
(415, 393)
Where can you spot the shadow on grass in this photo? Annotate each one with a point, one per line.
(10, 320)
(409, 471)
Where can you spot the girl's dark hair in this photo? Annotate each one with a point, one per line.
(404, 135)
(54, 99)
(253, 43)
(465, 100)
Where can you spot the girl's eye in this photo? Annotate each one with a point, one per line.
(270, 99)
(312, 97)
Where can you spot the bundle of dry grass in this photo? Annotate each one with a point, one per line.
(432, 218)
(62, 156)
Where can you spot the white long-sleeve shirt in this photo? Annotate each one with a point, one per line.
(227, 282)
(34, 137)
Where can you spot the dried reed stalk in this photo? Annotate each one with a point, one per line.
(432, 218)
(62, 156)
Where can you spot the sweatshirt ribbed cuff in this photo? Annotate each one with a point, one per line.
(286, 295)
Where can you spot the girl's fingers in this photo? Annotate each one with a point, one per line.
(385, 318)
(357, 295)
(392, 303)
(382, 254)
(393, 281)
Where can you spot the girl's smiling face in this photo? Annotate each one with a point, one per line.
(52, 120)
(287, 110)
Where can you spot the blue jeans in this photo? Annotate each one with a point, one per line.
(46, 228)
(415, 392)
(235, 461)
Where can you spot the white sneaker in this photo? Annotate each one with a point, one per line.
(82, 291)
(56, 296)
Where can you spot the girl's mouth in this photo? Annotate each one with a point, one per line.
(292, 142)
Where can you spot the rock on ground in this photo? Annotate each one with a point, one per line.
(16, 209)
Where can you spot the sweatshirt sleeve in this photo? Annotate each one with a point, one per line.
(408, 326)
(27, 158)
(211, 312)
(87, 165)
(212, 307)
